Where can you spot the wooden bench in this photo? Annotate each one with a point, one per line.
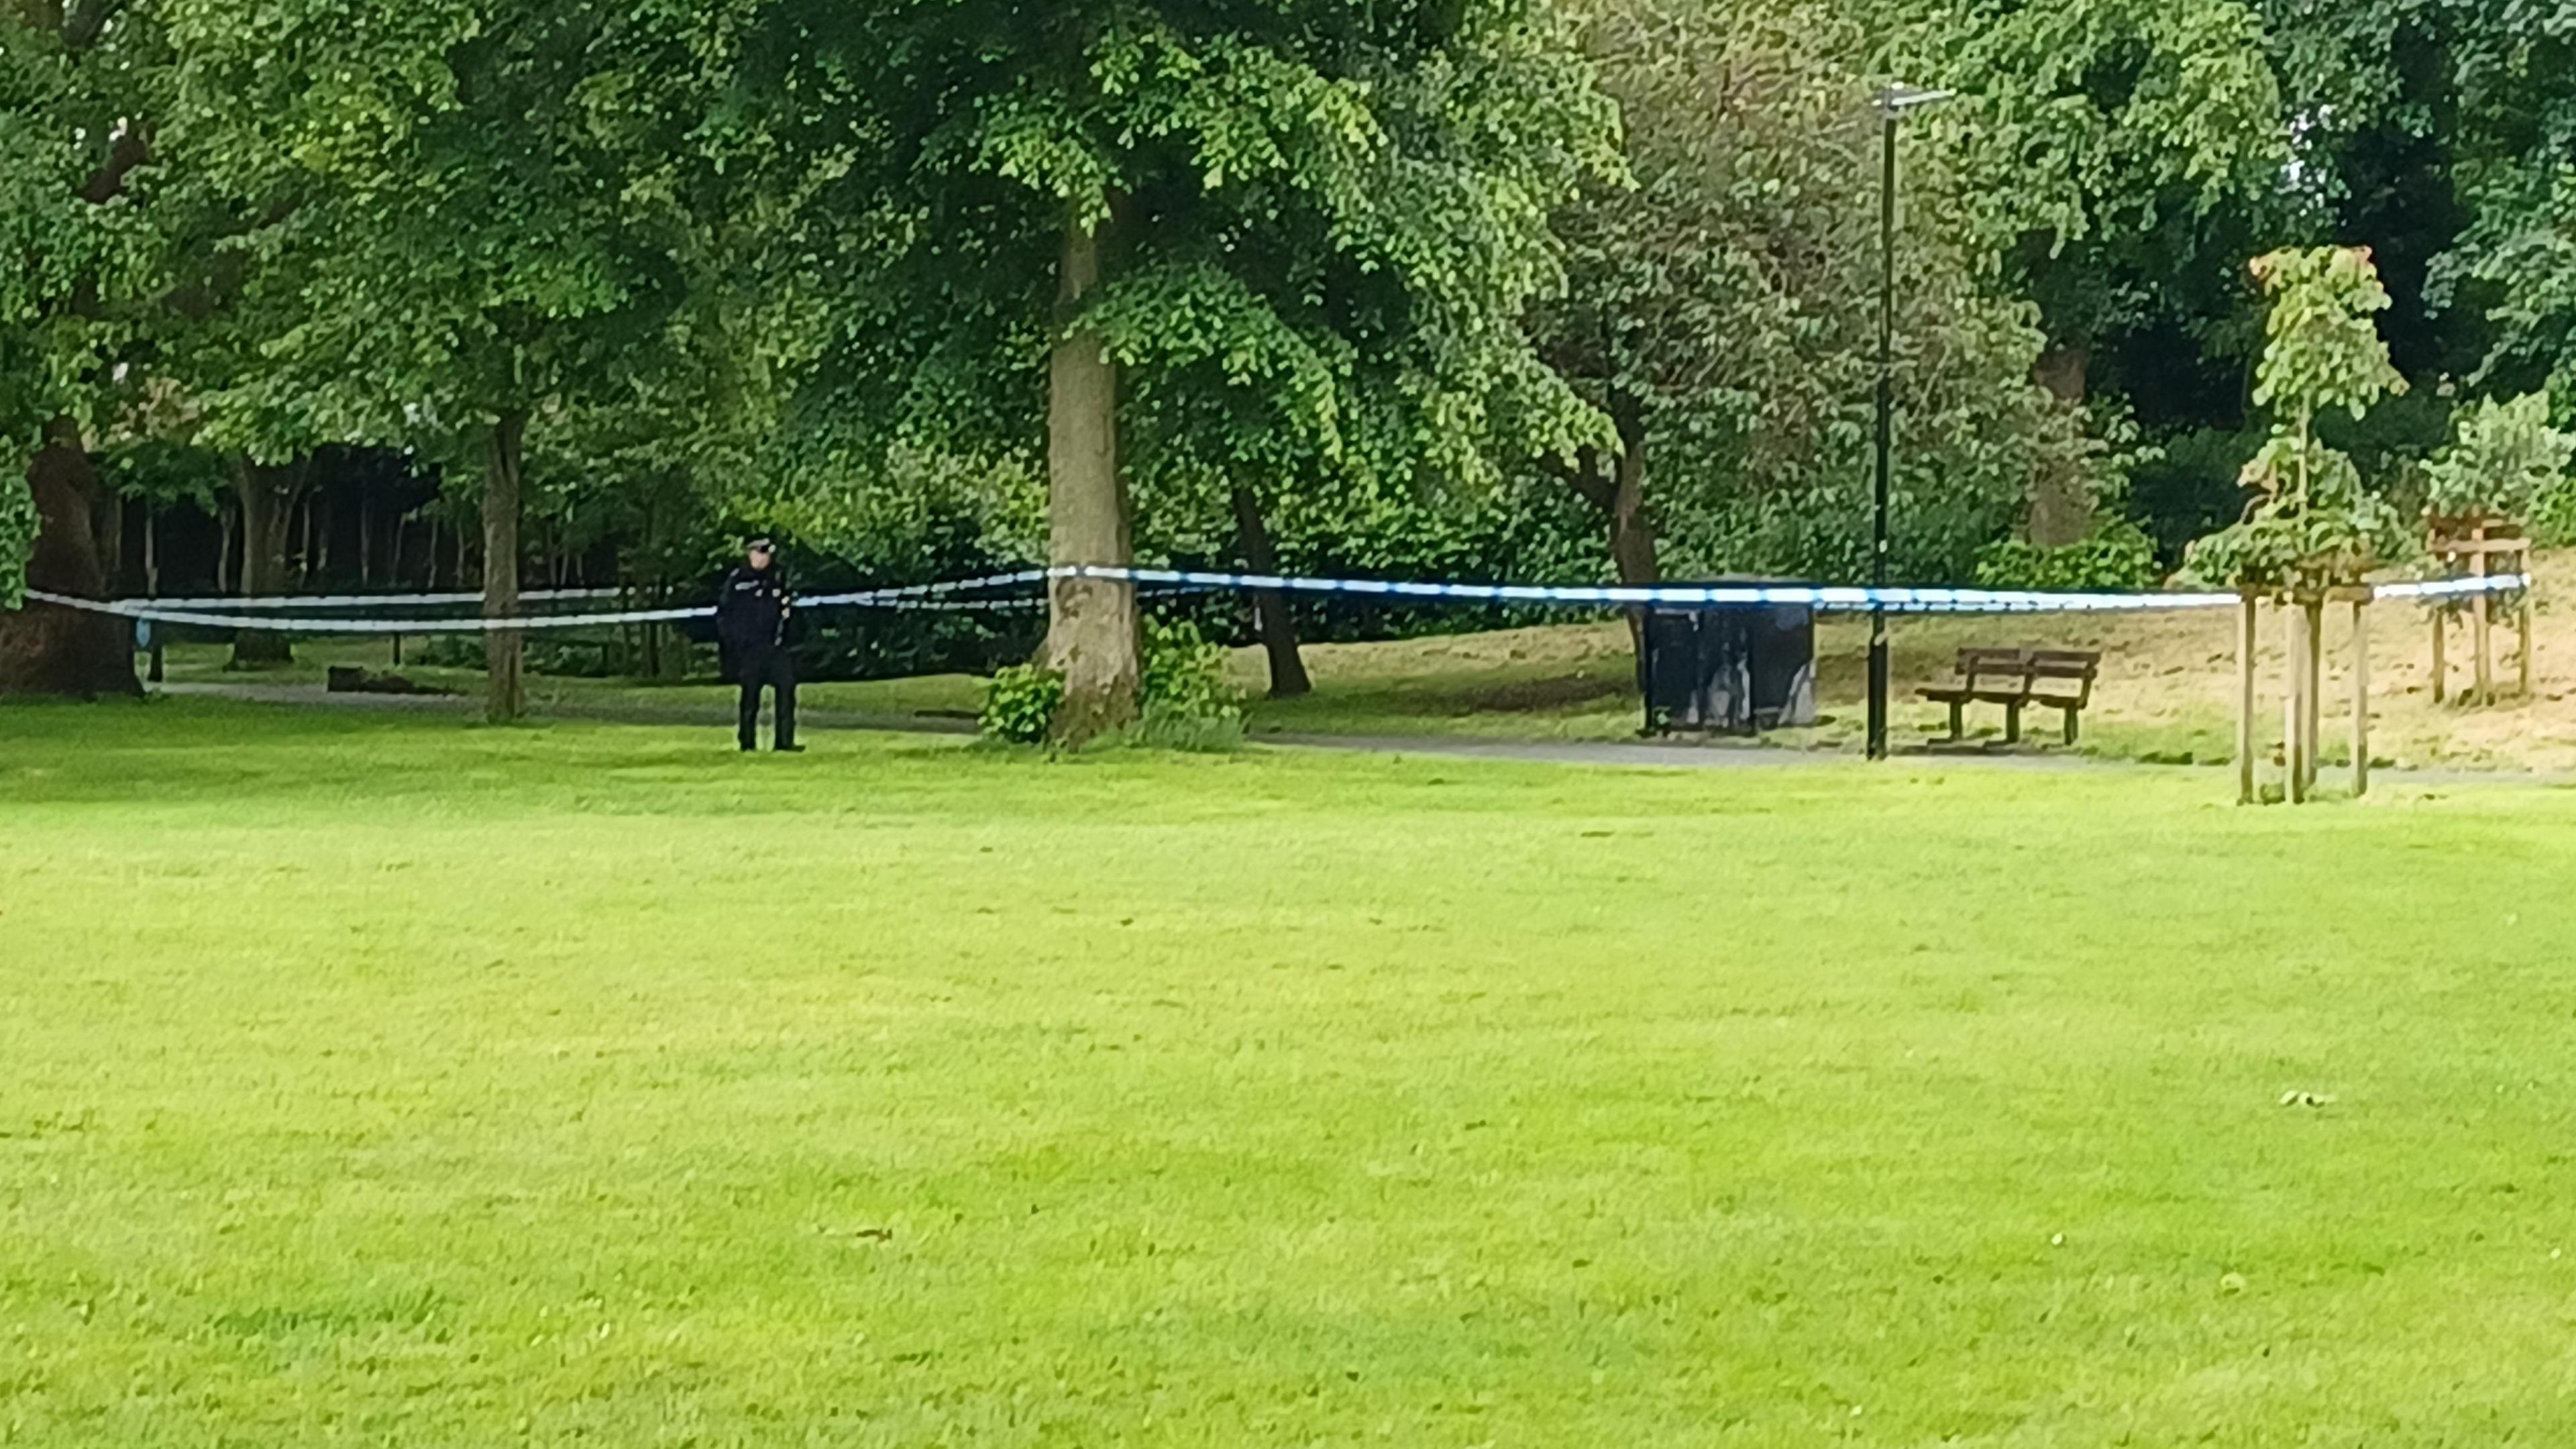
(2058, 679)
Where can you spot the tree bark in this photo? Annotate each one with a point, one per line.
(2061, 509)
(1270, 618)
(268, 497)
(225, 525)
(110, 523)
(1091, 632)
(1620, 497)
(503, 649)
(45, 648)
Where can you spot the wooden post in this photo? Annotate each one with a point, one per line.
(2294, 712)
(2481, 638)
(2360, 698)
(2317, 687)
(2245, 641)
(2522, 624)
(2441, 637)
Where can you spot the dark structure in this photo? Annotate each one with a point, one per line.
(1730, 670)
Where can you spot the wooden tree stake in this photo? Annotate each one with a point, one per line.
(2441, 667)
(2360, 699)
(2245, 641)
(2482, 638)
(2522, 622)
(2294, 713)
(2312, 696)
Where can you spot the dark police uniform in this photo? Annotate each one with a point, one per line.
(751, 630)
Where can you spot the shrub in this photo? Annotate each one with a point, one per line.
(2118, 558)
(1187, 701)
(2507, 462)
(1021, 705)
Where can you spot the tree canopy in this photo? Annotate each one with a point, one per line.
(1556, 287)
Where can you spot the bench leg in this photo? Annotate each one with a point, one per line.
(2012, 724)
(2072, 716)
(1958, 722)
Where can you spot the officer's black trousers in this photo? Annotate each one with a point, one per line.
(769, 669)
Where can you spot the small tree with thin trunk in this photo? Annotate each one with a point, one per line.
(2313, 530)
(2311, 524)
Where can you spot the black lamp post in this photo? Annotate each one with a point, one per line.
(1892, 105)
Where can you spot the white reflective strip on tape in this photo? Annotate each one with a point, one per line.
(2454, 588)
(131, 610)
(944, 596)
(364, 601)
(1984, 601)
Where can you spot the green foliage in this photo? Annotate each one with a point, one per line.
(2118, 157)
(1020, 707)
(1323, 224)
(1188, 702)
(17, 537)
(2322, 349)
(2118, 558)
(467, 209)
(1724, 308)
(2507, 461)
(2313, 524)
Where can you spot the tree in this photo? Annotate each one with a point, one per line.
(1287, 243)
(80, 87)
(470, 216)
(1723, 314)
(2312, 524)
(2121, 156)
(2506, 462)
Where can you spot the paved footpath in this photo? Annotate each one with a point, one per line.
(1614, 754)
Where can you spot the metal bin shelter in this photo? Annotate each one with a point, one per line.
(1737, 670)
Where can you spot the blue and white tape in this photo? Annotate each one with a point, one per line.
(978, 594)
(1739, 596)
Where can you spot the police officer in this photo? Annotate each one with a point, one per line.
(751, 632)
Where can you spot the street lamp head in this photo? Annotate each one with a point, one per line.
(1896, 100)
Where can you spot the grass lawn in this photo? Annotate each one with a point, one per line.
(378, 1080)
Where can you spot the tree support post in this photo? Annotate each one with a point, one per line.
(2312, 698)
(2245, 643)
(2360, 698)
(2522, 623)
(2294, 709)
(2441, 664)
(2481, 617)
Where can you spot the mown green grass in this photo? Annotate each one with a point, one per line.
(389, 1082)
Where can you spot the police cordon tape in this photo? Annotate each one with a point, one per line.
(946, 596)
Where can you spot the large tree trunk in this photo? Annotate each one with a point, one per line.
(2061, 508)
(45, 648)
(503, 649)
(267, 498)
(1632, 537)
(1091, 633)
(1270, 617)
(110, 523)
(1619, 495)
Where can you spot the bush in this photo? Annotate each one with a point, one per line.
(2506, 462)
(2117, 559)
(1187, 702)
(1184, 700)
(1021, 705)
